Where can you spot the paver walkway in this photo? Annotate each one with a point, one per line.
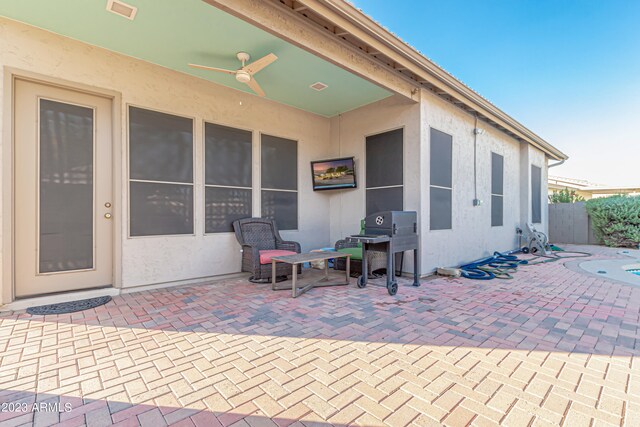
(554, 346)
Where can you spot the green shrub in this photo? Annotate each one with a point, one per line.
(616, 220)
(565, 196)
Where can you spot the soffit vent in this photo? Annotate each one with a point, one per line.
(122, 9)
(318, 86)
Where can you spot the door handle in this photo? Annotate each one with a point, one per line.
(107, 215)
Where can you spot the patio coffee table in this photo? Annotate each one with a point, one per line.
(298, 259)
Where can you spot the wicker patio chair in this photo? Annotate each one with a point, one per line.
(259, 235)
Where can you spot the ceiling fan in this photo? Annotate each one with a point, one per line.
(245, 73)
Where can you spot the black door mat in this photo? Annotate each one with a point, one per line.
(69, 307)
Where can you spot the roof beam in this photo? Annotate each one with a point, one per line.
(345, 15)
(298, 7)
(288, 25)
(398, 70)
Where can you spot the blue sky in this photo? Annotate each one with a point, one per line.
(567, 69)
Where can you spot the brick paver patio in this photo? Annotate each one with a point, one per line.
(554, 346)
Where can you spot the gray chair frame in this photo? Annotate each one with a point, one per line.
(259, 234)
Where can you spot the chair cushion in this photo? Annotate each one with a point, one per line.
(356, 253)
(265, 256)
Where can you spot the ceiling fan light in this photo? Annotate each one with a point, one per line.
(243, 76)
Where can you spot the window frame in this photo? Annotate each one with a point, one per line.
(204, 174)
(127, 126)
(297, 190)
(533, 221)
(496, 194)
(431, 128)
(364, 169)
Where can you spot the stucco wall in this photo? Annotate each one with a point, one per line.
(472, 235)
(539, 159)
(165, 259)
(348, 134)
(529, 156)
(324, 217)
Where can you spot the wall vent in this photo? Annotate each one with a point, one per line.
(122, 9)
(318, 86)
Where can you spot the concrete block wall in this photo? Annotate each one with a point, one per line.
(570, 223)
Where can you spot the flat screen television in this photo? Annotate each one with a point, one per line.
(333, 174)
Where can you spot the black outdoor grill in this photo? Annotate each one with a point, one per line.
(391, 232)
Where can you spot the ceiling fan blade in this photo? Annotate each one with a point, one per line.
(259, 64)
(204, 67)
(253, 84)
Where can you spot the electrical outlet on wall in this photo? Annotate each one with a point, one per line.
(477, 202)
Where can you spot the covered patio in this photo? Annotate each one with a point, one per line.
(554, 346)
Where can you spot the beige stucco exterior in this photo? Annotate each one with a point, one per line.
(166, 259)
(472, 235)
(324, 217)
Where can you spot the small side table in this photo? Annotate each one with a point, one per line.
(297, 259)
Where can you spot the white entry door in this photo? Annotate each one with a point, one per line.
(62, 190)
